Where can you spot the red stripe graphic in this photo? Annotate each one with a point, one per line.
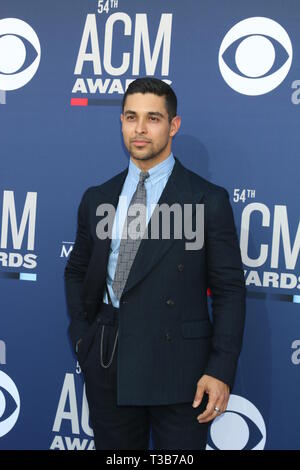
(79, 101)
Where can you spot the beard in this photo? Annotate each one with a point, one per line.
(147, 154)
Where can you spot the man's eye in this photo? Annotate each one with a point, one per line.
(130, 118)
(153, 119)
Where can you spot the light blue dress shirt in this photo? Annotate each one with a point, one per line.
(154, 184)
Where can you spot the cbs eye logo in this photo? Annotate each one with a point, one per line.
(9, 404)
(241, 427)
(255, 56)
(13, 53)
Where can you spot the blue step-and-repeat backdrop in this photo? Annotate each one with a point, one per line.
(64, 66)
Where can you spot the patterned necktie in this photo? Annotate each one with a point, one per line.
(129, 245)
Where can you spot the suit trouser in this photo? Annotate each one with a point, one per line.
(121, 427)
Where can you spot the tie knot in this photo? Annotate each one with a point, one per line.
(143, 176)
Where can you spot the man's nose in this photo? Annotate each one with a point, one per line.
(141, 127)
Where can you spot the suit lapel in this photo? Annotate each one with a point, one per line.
(94, 282)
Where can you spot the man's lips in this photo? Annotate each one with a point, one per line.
(140, 142)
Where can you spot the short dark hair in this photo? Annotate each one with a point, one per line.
(157, 87)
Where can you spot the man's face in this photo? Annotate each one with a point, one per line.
(146, 129)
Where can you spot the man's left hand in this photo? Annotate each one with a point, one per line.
(218, 393)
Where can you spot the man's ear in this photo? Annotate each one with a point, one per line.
(175, 125)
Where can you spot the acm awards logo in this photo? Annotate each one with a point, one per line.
(71, 421)
(15, 250)
(14, 72)
(114, 48)
(256, 40)
(267, 240)
(270, 238)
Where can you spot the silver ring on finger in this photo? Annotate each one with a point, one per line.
(217, 409)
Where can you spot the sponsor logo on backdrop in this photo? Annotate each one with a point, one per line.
(269, 245)
(241, 427)
(17, 237)
(9, 400)
(71, 422)
(295, 358)
(2, 97)
(115, 48)
(295, 98)
(256, 41)
(14, 72)
(2, 352)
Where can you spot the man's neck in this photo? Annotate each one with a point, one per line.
(145, 165)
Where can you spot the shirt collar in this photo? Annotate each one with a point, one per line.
(156, 173)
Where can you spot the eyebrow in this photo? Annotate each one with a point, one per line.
(150, 113)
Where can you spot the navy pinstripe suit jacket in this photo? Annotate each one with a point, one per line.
(166, 338)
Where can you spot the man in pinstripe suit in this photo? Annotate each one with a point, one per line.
(150, 356)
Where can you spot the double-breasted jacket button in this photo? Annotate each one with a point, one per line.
(180, 267)
(170, 302)
(168, 336)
